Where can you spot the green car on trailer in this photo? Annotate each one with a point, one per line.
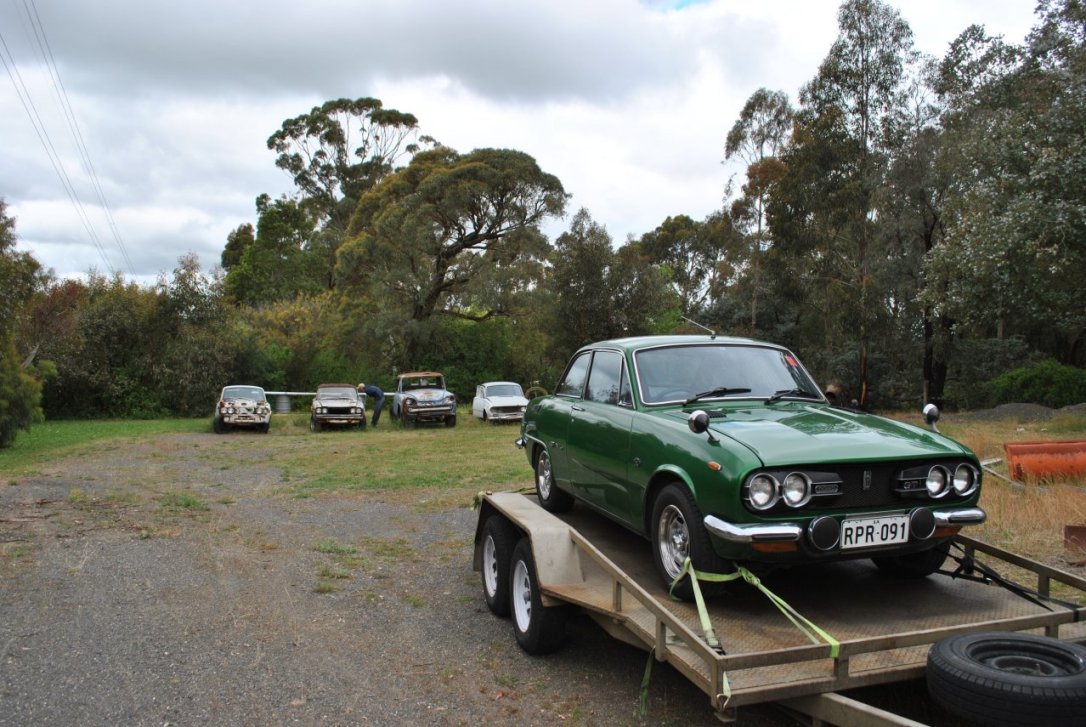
(724, 450)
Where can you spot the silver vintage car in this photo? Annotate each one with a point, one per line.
(421, 396)
(337, 405)
(242, 406)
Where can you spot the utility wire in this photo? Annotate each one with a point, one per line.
(73, 125)
(23, 92)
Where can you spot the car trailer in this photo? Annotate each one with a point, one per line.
(858, 626)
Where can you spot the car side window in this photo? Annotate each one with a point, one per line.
(606, 382)
(572, 384)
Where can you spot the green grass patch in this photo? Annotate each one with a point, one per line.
(331, 546)
(182, 501)
(56, 439)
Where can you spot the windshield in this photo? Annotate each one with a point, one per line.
(504, 390)
(243, 392)
(337, 392)
(679, 373)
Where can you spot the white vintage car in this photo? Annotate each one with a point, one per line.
(499, 401)
(242, 406)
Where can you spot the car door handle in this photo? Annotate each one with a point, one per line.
(577, 408)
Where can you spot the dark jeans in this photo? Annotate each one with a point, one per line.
(378, 405)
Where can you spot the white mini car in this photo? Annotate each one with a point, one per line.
(499, 401)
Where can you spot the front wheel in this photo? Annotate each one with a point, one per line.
(539, 629)
(998, 678)
(550, 497)
(314, 425)
(218, 426)
(499, 539)
(450, 421)
(678, 533)
(914, 565)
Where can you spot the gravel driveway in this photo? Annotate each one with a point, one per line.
(124, 604)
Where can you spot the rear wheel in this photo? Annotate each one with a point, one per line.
(499, 539)
(550, 497)
(539, 629)
(914, 565)
(677, 534)
(998, 678)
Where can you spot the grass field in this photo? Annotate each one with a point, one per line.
(475, 456)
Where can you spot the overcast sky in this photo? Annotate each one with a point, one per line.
(627, 102)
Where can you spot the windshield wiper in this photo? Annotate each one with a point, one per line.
(778, 395)
(719, 391)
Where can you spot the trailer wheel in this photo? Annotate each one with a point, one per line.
(539, 629)
(998, 678)
(550, 497)
(914, 565)
(678, 534)
(499, 539)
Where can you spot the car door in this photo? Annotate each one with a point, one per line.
(477, 404)
(553, 416)
(598, 443)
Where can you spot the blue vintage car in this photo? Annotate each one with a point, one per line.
(725, 450)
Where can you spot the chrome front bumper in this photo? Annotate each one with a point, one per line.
(783, 532)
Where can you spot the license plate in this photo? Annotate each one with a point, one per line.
(873, 531)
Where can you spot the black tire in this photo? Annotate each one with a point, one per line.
(914, 565)
(499, 538)
(450, 421)
(264, 428)
(997, 678)
(550, 497)
(678, 532)
(314, 425)
(362, 424)
(217, 426)
(539, 629)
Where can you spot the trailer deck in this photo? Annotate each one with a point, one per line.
(884, 626)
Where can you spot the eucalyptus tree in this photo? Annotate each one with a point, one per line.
(700, 257)
(598, 292)
(758, 136)
(1020, 166)
(852, 119)
(423, 240)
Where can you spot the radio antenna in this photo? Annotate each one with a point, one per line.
(712, 333)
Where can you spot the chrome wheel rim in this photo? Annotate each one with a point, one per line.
(522, 596)
(543, 476)
(673, 539)
(490, 566)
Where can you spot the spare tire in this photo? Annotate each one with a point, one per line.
(1006, 678)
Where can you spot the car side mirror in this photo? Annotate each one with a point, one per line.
(931, 416)
(698, 421)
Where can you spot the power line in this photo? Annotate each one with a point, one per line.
(73, 125)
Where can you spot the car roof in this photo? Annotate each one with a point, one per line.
(497, 383)
(635, 343)
(419, 373)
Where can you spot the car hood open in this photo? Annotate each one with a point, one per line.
(794, 433)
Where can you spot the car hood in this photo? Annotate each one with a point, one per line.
(426, 394)
(242, 401)
(507, 401)
(791, 433)
(336, 401)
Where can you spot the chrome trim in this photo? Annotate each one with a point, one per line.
(960, 516)
(754, 532)
(519, 441)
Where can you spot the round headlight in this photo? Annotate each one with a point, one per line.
(965, 479)
(763, 492)
(796, 489)
(938, 481)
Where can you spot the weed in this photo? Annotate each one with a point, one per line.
(327, 571)
(331, 546)
(506, 681)
(174, 501)
(324, 587)
(415, 601)
(17, 551)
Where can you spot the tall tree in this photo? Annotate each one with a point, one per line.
(758, 136)
(424, 237)
(20, 392)
(698, 255)
(856, 104)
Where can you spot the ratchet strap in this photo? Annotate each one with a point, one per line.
(809, 629)
(968, 564)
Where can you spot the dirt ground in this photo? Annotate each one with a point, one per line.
(121, 603)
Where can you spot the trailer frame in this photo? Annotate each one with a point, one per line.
(582, 559)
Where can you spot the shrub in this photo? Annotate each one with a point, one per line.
(1048, 383)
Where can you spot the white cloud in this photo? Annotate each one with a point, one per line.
(626, 102)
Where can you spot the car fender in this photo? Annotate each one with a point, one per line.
(661, 476)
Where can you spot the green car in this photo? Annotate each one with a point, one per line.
(724, 450)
